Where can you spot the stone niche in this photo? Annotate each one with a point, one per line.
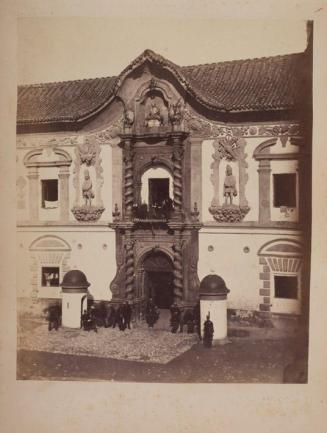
(229, 177)
(88, 181)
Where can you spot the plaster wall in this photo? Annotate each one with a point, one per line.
(223, 252)
(92, 251)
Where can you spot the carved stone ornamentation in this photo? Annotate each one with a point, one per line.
(229, 213)
(88, 153)
(129, 264)
(200, 127)
(87, 213)
(154, 116)
(178, 271)
(231, 149)
(175, 113)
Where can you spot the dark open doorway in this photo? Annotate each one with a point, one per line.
(158, 279)
(158, 191)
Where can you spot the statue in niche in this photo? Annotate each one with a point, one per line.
(230, 190)
(87, 190)
(154, 117)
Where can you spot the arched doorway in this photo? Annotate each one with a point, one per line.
(158, 279)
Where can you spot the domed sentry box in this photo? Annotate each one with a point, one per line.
(213, 301)
(74, 298)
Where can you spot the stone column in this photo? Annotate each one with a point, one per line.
(264, 171)
(178, 269)
(129, 265)
(196, 173)
(128, 178)
(34, 198)
(177, 175)
(64, 193)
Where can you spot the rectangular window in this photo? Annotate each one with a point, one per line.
(284, 190)
(49, 193)
(286, 287)
(50, 277)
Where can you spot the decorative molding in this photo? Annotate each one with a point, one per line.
(88, 153)
(230, 148)
(87, 213)
(198, 126)
(230, 214)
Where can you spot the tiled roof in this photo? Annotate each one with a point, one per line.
(263, 84)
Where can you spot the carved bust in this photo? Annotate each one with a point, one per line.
(87, 191)
(229, 186)
(176, 113)
(154, 117)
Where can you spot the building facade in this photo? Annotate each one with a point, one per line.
(149, 181)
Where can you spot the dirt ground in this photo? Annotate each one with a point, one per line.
(252, 355)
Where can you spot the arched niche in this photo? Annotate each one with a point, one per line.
(155, 175)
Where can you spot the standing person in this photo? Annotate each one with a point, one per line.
(208, 332)
(188, 320)
(53, 317)
(120, 318)
(175, 318)
(127, 314)
(151, 315)
(197, 319)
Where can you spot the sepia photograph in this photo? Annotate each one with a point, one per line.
(163, 200)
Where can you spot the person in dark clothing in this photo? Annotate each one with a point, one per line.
(54, 314)
(127, 314)
(208, 332)
(120, 318)
(151, 313)
(175, 318)
(188, 320)
(110, 318)
(197, 319)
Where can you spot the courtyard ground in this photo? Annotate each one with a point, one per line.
(252, 355)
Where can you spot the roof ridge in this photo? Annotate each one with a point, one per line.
(36, 85)
(224, 62)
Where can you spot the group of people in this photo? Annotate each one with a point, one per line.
(108, 317)
(155, 211)
(121, 316)
(190, 319)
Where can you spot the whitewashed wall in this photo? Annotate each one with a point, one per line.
(238, 268)
(92, 252)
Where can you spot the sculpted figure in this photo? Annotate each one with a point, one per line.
(87, 191)
(154, 118)
(175, 113)
(128, 117)
(229, 186)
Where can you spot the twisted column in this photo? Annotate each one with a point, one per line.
(178, 271)
(177, 173)
(128, 179)
(129, 263)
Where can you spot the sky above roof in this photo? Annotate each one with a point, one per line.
(59, 49)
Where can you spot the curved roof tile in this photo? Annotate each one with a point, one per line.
(261, 84)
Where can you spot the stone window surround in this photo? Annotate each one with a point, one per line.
(63, 162)
(47, 256)
(263, 155)
(276, 263)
